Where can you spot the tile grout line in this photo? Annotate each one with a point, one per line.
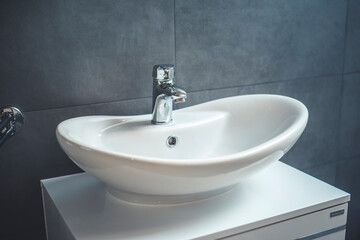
(195, 91)
(175, 34)
(270, 82)
(342, 87)
(85, 104)
(319, 165)
(350, 158)
(351, 73)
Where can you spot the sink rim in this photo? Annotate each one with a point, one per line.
(245, 155)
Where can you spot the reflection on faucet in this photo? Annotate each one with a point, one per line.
(11, 122)
(164, 93)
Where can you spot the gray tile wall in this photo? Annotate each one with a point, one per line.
(245, 42)
(347, 171)
(348, 177)
(66, 53)
(352, 50)
(72, 58)
(61, 59)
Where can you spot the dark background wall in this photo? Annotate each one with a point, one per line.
(61, 59)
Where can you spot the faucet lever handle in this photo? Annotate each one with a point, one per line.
(164, 72)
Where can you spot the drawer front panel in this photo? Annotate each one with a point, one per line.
(326, 224)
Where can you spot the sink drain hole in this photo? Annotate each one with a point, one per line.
(171, 141)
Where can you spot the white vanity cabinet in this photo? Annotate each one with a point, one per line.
(279, 203)
(316, 225)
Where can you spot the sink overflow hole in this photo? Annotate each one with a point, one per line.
(171, 141)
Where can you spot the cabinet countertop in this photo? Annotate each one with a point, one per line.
(278, 193)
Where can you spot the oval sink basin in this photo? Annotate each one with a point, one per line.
(205, 151)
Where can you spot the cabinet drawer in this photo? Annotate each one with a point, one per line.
(327, 224)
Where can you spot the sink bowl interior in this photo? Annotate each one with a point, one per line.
(217, 144)
(201, 134)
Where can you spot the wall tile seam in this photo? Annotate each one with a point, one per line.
(268, 83)
(345, 35)
(195, 91)
(318, 165)
(348, 158)
(338, 151)
(84, 105)
(351, 73)
(174, 2)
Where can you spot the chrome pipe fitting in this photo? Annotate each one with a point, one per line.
(11, 122)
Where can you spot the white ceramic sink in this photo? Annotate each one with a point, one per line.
(218, 144)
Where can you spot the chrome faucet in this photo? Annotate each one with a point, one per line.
(164, 93)
(11, 122)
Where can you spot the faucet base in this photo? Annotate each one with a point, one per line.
(162, 113)
(161, 123)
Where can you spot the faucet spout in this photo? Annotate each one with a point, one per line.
(165, 92)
